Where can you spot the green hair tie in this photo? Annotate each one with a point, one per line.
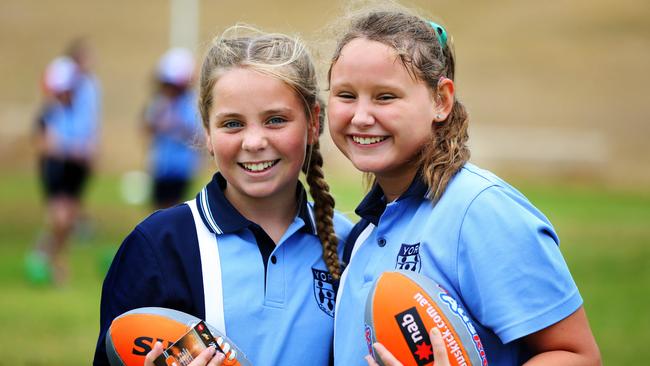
(440, 32)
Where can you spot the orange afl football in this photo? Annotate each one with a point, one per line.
(404, 306)
(132, 335)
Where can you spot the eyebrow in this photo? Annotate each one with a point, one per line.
(228, 115)
(280, 110)
(375, 86)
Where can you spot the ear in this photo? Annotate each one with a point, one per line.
(208, 141)
(444, 99)
(314, 126)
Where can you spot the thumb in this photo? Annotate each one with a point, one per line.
(384, 354)
(204, 357)
(153, 354)
(439, 350)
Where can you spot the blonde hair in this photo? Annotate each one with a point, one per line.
(420, 50)
(287, 59)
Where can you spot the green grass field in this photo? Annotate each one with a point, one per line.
(605, 239)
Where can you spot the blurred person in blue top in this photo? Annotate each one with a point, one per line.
(394, 113)
(250, 254)
(67, 139)
(87, 91)
(172, 122)
(88, 110)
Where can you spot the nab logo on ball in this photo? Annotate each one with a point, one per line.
(416, 335)
(409, 258)
(324, 291)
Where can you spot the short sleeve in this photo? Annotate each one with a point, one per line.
(512, 275)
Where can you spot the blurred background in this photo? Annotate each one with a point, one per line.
(557, 93)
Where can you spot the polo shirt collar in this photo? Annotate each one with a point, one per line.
(374, 203)
(220, 216)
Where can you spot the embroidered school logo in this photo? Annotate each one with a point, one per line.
(324, 291)
(409, 258)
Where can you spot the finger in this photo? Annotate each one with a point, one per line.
(153, 354)
(439, 350)
(371, 361)
(385, 356)
(204, 357)
(217, 360)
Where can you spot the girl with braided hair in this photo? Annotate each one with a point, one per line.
(394, 113)
(250, 254)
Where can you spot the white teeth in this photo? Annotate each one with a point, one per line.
(368, 140)
(257, 167)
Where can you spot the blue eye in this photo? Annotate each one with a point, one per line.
(232, 124)
(276, 120)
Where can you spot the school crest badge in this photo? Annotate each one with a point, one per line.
(324, 291)
(408, 258)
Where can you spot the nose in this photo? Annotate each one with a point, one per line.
(254, 139)
(363, 116)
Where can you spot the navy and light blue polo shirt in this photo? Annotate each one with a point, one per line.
(275, 302)
(483, 241)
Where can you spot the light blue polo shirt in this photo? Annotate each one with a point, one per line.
(483, 241)
(87, 105)
(275, 302)
(177, 129)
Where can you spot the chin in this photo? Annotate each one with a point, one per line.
(367, 166)
(260, 192)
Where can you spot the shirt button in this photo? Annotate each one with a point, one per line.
(274, 260)
(381, 242)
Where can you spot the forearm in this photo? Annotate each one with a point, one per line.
(564, 358)
(568, 342)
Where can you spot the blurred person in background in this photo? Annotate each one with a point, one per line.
(88, 108)
(87, 88)
(172, 123)
(66, 141)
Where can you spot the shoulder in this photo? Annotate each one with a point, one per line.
(501, 220)
(166, 240)
(493, 197)
(88, 86)
(472, 180)
(473, 186)
(167, 216)
(170, 223)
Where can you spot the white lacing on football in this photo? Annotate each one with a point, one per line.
(227, 349)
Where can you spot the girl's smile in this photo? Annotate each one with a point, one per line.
(368, 140)
(258, 167)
